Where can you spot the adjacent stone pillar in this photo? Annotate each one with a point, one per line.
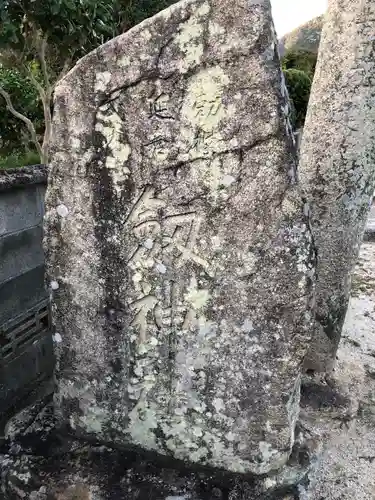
(177, 242)
(337, 162)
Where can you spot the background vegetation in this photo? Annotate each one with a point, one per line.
(39, 42)
(299, 69)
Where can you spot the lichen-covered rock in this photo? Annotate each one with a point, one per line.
(305, 38)
(177, 242)
(40, 463)
(337, 163)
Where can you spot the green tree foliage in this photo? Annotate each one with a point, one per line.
(22, 91)
(299, 68)
(42, 39)
(71, 28)
(300, 59)
(52, 33)
(299, 85)
(16, 160)
(139, 10)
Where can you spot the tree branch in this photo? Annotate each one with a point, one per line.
(46, 95)
(48, 127)
(35, 82)
(43, 64)
(25, 120)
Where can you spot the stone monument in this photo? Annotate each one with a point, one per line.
(337, 165)
(178, 246)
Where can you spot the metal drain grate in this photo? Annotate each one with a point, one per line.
(18, 333)
(26, 354)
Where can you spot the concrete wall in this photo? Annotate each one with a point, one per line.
(26, 351)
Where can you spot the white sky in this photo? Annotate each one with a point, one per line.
(289, 14)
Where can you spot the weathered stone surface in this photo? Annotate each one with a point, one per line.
(177, 241)
(304, 38)
(337, 164)
(39, 463)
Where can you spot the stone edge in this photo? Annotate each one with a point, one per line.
(22, 177)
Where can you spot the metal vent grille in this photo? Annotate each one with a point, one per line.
(26, 359)
(16, 335)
